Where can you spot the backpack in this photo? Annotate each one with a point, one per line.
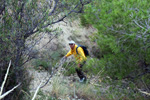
(86, 52)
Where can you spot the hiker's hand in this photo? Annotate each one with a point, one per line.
(79, 65)
(64, 57)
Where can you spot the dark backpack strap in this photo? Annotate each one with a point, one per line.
(76, 49)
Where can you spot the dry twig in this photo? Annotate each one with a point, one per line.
(144, 92)
(2, 87)
(37, 90)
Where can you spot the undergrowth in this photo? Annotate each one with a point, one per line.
(70, 68)
(41, 64)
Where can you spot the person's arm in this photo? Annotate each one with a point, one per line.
(68, 54)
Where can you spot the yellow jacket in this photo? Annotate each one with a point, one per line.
(80, 57)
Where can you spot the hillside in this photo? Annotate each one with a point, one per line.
(65, 85)
(68, 31)
(34, 36)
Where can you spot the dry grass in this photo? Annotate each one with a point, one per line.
(66, 89)
(59, 88)
(86, 91)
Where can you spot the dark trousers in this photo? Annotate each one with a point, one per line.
(80, 72)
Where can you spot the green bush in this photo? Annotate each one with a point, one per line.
(84, 21)
(122, 41)
(122, 38)
(41, 64)
(93, 66)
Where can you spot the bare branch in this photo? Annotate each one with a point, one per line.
(116, 31)
(34, 30)
(54, 7)
(28, 56)
(5, 78)
(5, 94)
(37, 90)
(1, 10)
(8, 92)
(61, 19)
(55, 70)
(144, 92)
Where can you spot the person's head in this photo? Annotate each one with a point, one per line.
(71, 44)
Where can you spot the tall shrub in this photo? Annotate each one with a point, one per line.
(123, 36)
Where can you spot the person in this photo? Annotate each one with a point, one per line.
(79, 57)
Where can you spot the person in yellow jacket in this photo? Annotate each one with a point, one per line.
(80, 59)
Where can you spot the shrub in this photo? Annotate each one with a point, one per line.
(41, 64)
(123, 37)
(84, 21)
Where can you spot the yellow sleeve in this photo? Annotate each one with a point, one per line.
(81, 53)
(69, 53)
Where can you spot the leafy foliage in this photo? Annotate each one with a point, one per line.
(123, 36)
(84, 22)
